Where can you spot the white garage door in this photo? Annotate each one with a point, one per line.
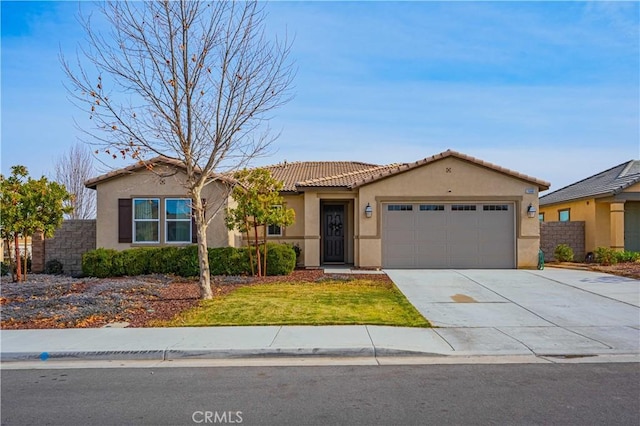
(440, 235)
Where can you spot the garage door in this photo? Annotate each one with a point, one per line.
(632, 226)
(440, 235)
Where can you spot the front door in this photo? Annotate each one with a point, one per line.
(333, 231)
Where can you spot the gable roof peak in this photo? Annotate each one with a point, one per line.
(403, 167)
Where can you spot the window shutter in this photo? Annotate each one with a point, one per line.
(194, 229)
(125, 219)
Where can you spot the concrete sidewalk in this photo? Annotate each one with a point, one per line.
(476, 313)
(271, 341)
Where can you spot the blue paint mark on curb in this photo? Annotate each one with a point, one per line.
(44, 356)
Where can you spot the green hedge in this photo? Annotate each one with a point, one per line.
(183, 261)
(99, 263)
(609, 256)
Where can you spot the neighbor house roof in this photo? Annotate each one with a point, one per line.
(607, 183)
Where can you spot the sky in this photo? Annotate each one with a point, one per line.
(549, 89)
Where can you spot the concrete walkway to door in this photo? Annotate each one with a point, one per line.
(553, 311)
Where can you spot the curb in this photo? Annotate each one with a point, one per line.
(217, 354)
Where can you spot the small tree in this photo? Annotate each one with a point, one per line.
(11, 198)
(193, 81)
(259, 205)
(29, 205)
(72, 170)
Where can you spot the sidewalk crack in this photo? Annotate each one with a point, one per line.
(375, 351)
(275, 337)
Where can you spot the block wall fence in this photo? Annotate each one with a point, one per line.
(68, 244)
(569, 233)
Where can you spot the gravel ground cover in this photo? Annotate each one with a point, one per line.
(50, 301)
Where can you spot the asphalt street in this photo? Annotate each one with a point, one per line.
(567, 394)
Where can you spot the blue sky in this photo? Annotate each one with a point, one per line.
(550, 89)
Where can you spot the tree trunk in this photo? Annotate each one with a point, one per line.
(264, 233)
(26, 264)
(250, 249)
(203, 254)
(7, 242)
(16, 244)
(255, 229)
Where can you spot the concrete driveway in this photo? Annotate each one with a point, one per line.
(553, 311)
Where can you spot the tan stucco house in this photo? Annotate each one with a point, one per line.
(146, 204)
(608, 203)
(445, 211)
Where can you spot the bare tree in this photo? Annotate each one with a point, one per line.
(190, 80)
(73, 169)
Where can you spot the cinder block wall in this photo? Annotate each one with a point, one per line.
(569, 233)
(69, 243)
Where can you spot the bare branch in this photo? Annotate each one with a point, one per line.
(190, 80)
(72, 170)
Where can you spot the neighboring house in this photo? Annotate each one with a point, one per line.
(608, 203)
(446, 211)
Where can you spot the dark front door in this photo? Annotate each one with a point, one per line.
(333, 233)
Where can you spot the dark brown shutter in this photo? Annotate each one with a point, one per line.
(125, 217)
(194, 229)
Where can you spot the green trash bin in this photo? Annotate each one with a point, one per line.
(540, 259)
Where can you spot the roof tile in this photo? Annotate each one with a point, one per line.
(608, 182)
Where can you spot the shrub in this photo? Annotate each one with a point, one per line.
(563, 253)
(627, 256)
(26, 263)
(100, 263)
(187, 262)
(4, 269)
(281, 259)
(606, 256)
(53, 267)
(229, 261)
(164, 260)
(136, 261)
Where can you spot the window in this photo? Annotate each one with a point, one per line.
(146, 220)
(564, 216)
(431, 207)
(495, 207)
(399, 207)
(274, 230)
(541, 217)
(177, 220)
(463, 207)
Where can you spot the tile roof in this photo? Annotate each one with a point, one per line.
(337, 174)
(352, 175)
(318, 173)
(401, 168)
(161, 159)
(609, 182)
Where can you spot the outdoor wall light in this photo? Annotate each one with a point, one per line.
(531, 211)
(368, 211)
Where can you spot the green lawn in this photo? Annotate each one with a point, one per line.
(357, 301)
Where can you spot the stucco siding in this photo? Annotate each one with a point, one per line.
(449, 180)
(633, 188)
(162, 182)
